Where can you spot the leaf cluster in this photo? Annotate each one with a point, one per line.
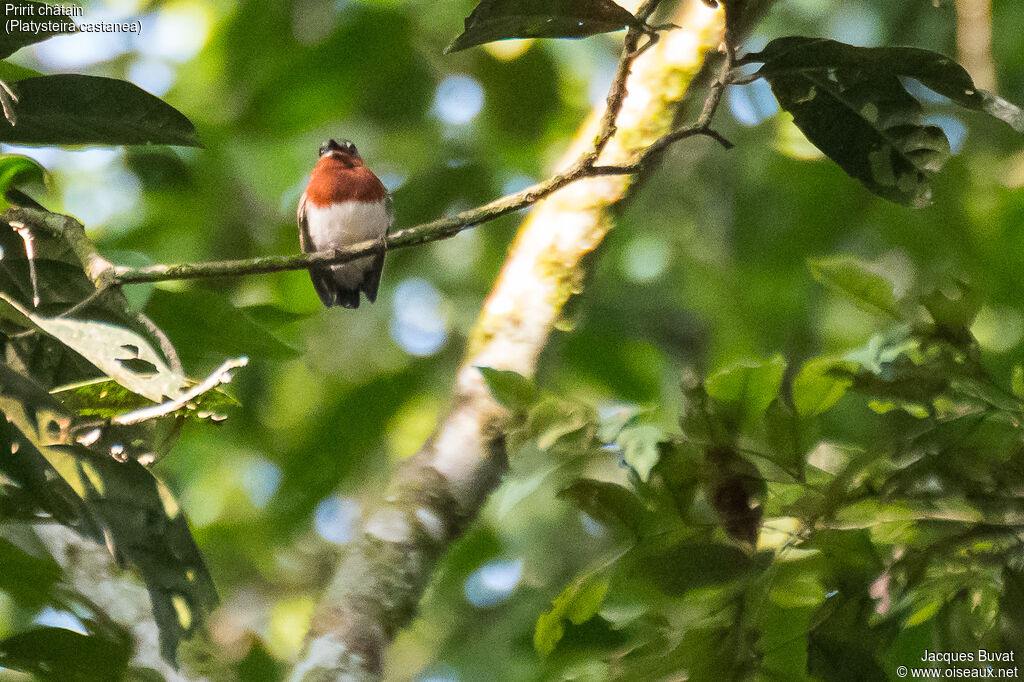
(764, 539)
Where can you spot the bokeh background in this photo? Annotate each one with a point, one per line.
(707, 265)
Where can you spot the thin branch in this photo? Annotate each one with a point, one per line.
(166, 347)
(221, 375)
(30, 255)
(702, 126)
(8, 98)
(617, 92)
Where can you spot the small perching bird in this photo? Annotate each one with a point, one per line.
(344, 203)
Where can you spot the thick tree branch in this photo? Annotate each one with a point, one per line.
(439, 490)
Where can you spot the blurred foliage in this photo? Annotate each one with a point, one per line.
(761, 541)
(841, 492)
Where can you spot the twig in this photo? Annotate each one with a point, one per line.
(85, 302)
(617, 92)
(219, 376)
(170, 353)
(702, 126)
(8, 98)
(30, 255)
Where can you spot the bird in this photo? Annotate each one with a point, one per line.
(344, 203)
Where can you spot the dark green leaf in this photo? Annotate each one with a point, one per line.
(608, 503)
(204, 325)
(501, 19)
(690, 565)
(120, 503)
(13, 37)
(34, 420)
(104, 398)
(797, 54)
(784, 437)
(58, 655)
(953, 312)
(147, 528)
(861, 117)
(509, 388)
(857, 281)
(16, 170)
(112, 349)
(74, 109)
(1011, 607)
(26, 578)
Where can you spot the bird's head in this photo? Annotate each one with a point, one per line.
(344, 152)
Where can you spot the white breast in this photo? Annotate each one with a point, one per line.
(353, 221)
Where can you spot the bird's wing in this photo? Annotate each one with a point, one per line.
(304, 240)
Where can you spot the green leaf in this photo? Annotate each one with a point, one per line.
(1017, 382)
(15, 37)
(751, 386)
(26, 578)
(550, 420)
(105, 398)
(502, 19)
(784, 437)
(17, 170)
(577, 603)
(797, 584)
(1011, 607)
(859, 115)
(858, 282)
(640, 448)
(146, 527)
(12, 73)
(612, 422)
(44, 475)
(608, 503)
(122, 354)
(690, 565)
(55, 654)
(953, 312)
(509, 388)
(816, 388)
(204, 326)
(74, 109)
(119, 503)
(797, 54)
